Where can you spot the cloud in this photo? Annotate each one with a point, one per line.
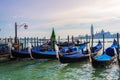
(66, 16)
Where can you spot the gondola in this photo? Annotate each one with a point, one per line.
(108, 57)
(4, 50)
(65, 44)
(78, 55)
(51, 54)
(24, 53)
(21, 53)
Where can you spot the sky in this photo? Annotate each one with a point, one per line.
(67, 17)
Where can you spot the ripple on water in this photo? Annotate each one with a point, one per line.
(53, 70)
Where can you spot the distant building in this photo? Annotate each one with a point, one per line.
(99, 35)
(106, 34)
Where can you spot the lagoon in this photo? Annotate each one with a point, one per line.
(46, 69)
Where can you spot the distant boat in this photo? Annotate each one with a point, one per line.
(78, 56)
(108, 57)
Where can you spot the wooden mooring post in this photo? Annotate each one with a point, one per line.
(10, 40)
(92, 40)
(68, 41)
(92, 35)
(89, 41)
(40, 41)
(18, 44)
(58, 39)
(72, 40)
(86, 41)
(21, 44)
(103, 42)
(34, 41)
(31, 41)
(25, 42)
(37, 41)
(5, 40)
(118, 57)
(81, 39)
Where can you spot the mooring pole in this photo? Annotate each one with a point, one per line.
(92, 43)
(21, 43)
(89, 41)
(25, 42)
(81, 39)
(118, 46)
(40, 41)
(5, 41)
(103, 42)
(58, 39)
(72, 40)
(37, 41)
(34, 41)
(10, 40)
(15, 32)
(18, 43)
(86, 41)
(31, 41)
(68, 41)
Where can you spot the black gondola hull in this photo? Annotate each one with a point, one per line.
(20, 55)
(80, 58)
(72, 60)
(43, 56)
(103, 63)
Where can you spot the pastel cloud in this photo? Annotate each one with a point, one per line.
(72, 17)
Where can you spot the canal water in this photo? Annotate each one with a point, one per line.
(46, 69)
